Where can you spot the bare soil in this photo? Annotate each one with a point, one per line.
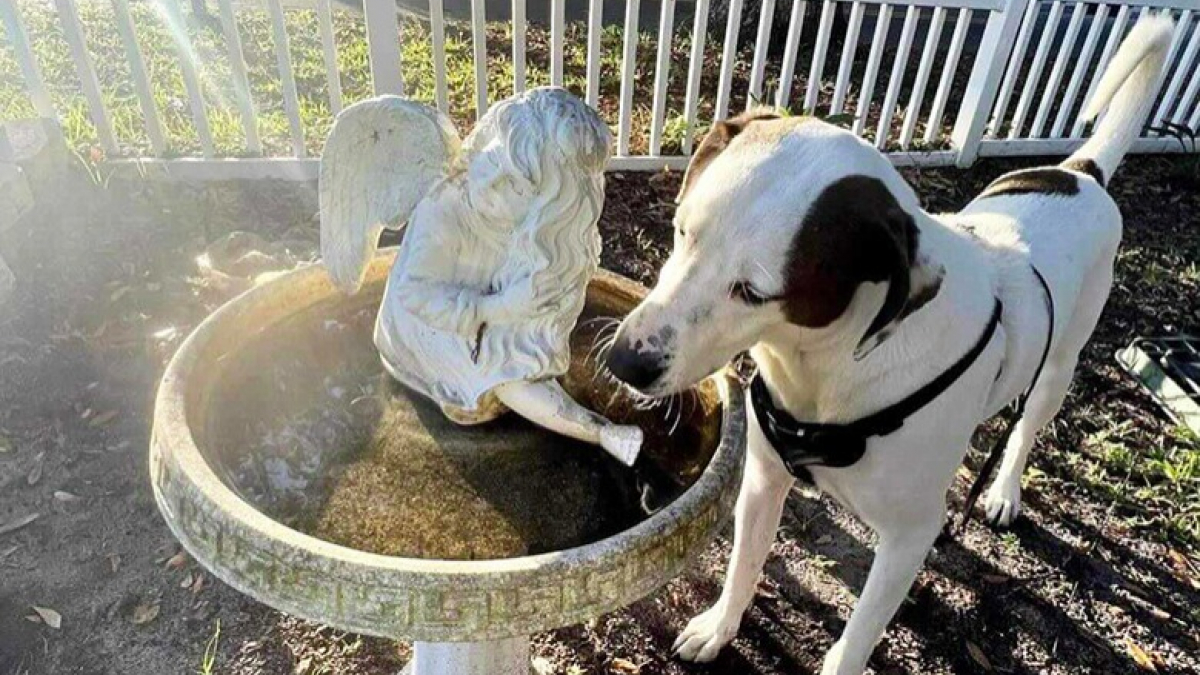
(1094, 579)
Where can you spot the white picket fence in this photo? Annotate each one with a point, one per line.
(950, 81)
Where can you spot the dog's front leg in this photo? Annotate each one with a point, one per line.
(765, 486)
(898, 558)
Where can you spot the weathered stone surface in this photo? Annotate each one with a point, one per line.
(419, 599)
(16, 199)
(37, 145)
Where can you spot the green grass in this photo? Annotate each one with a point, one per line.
(161, 55)
(1164, 476)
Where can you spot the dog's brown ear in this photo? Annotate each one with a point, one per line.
(854, 232)
(715, 142)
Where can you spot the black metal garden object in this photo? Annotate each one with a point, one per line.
(1170, 368)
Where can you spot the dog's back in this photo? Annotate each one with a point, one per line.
(1125, 94)
(1061, 218)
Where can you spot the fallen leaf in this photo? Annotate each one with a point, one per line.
(624, 667)
(824, 539)
(198, 585)
(19, 523)
(35, 474)
(821, 562)
(996, 578)
(1140, 656)
(48, 616)
(104, 418)
(177, 561)
(145, 612)
(114, 562)
(64, 496)
(1160, 614)
(119, 293)
(5, 445)
(187, 582)
(978, 656)
(1185, 567)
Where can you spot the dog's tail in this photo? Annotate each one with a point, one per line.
(1127, 91)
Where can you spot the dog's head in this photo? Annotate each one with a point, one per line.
(788, 226)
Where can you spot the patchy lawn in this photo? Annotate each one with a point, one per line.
(1100, 576)
(254, 28)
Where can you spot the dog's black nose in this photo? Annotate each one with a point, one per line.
(637, 369)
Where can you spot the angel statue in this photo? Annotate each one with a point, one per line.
(494, 265)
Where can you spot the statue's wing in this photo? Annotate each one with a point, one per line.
(381, 157)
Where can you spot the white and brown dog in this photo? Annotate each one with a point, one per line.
(798, 241)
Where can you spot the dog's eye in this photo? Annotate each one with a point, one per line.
(745, 292)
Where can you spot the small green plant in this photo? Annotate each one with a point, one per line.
(675, 128)
(209, 660)
(1010, 543)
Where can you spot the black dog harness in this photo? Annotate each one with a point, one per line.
(804, 444)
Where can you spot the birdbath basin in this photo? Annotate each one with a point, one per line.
(295, 470)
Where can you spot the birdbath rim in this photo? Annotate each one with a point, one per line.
(414, 598)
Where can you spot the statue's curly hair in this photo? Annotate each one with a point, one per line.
(560, 147)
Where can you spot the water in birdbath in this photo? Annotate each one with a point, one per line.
(315, 435)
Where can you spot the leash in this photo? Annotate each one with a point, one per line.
(1016, 412)
(803, 444)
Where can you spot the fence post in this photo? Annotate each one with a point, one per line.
(995, 49)
(383, 46)
(34, 83)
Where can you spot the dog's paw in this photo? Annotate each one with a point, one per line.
(705, 635)
(622, 442)
(1003, 504)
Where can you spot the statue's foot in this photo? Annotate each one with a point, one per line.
(489, 408)
(622, 442)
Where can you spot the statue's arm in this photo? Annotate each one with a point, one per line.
(519, 301)
(428, 288)
(431, 291)
(449, 306)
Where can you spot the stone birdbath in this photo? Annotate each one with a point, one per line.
(290, 466)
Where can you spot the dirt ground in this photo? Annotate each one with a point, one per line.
(1094, 579)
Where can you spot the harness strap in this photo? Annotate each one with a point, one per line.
(802, 444)
(1016, 412)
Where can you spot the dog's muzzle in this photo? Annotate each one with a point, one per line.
(636, 368)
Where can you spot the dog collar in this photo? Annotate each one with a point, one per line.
(804, 444)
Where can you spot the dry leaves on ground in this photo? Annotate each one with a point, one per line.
(177, 561)
(47, 616)
(624, 667)
(978, 656)
(1141, 657)
(35, 474)
(145, 612)
(19, 523)
(104, 418)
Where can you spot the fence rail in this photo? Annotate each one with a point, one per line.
(927, 81)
